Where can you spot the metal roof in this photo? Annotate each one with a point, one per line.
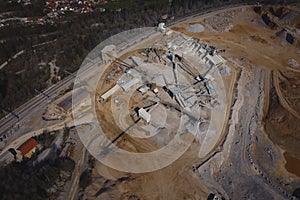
(127, 85)
(216, 59)
(73, 99)
(110, 92)
(144, 114)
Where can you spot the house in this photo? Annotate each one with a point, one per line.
(28, 148)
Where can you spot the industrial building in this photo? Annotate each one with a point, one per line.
(202, 52)
(143, 89)
(181, 77)
(66, 104)
(133, 72)
(142, 113)
(73, 99)
(128, 84)
(110, 92)
(215, 60)
(162, 27)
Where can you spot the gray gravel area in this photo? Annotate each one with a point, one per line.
(195, 28)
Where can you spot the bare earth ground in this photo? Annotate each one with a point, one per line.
(251, 42)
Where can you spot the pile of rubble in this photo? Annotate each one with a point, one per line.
(224, 70)
(293, 63)
(220, 22)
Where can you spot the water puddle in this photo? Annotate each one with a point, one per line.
(293, 164)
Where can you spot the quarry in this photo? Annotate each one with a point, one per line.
(192, 97)
(206, 107)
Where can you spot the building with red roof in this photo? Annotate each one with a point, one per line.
(28, 148)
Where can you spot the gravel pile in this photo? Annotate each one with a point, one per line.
(293, 63)
(195, 28)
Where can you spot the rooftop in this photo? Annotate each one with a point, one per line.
(216, 59)
(72, 98)
(28, 146)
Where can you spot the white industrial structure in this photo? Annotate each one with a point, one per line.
(161, 27)
(215, 60)
(177, 49)
(128, 84)
(133, 73)
(110, 92)
(143, 89)
(108, 53)
(144, 115)
(202, 52)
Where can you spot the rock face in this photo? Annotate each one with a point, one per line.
(266, 19)
(293, 63)
(296, 193)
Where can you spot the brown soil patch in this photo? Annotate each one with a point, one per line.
(293, 164)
